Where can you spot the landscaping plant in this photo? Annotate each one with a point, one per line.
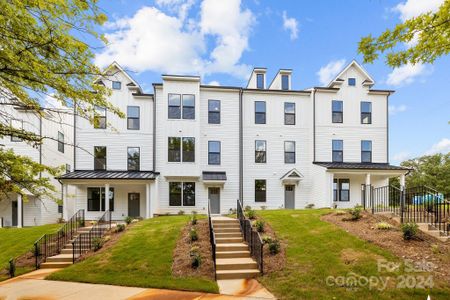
(310, 206)
(128, 220)
(259, 225)
(251, 214)
(193, 235)
(181, 212)
(194, 218)
(266, 239)
(274, 246)
(355, 213)
(247, 208)
(97, 243)
(384, 226)
(409, 230)
(196, 258)
(120, 227)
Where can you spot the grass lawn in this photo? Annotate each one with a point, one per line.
(317, 249)
(142, 257)
(18, 241)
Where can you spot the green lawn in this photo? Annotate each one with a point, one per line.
(317, 249)
(17, 241)
(142, 257)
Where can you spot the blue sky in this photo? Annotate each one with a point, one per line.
(221, 40)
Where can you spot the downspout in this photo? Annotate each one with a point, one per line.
(241, 148)
(387, 128)
(40, 144)
(154, 128)
(314, 125)
(74, 135)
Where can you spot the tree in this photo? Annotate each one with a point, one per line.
(43, 52)
(427, 36)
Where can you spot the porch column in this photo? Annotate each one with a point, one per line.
(368, 190)
(148, 205)
(106, 196)
(19, 211)
(332, 191)
(402, 182)
(64, 200)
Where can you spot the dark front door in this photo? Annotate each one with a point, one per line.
(133, 204)
(289, 196)
(214, 199)
(14, 213)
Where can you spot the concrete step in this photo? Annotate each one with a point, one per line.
(231, 221)
(227, 230)
(237, 274)
(60, 258)
(228, 235)
(236, 225)
(232, 254)
(67, 251)
(228, 240)
(55, 265)
(231, 247)
(244, 263)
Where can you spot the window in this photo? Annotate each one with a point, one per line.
(189, 107)
(174, 106)
(182, 193)
(134, 157)
(174, 149)
(96, 199)
(188, 149)
(341, 190)
(260, 151)
(260, 190)
(352, 81)
(213, 153)
(60, 142)
(335, 190)
(133, 113)
(337, 107)
(366, 151)
(260, 81)
(100, 117)
(366, 112)
(67, 168)
(99, 158)
(289, 113)
(285, 82)
(213, 111)
(17, 125)
(260, 112)
(289, 152)
(338, 151)
(116, 85)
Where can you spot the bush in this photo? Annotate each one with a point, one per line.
(340, 212)
(409, 230)
(247, 208)
(251, 214)
(274, 246)
(120, 227)
(128, 220)
(310, 205)
(193, 235)
(259, 224)
(97, 243)
(263, 207)
(435, 248)
(194, 219)
(355, 212)
(196, 258)
(384, 226)
(266, 239)
(181, 212)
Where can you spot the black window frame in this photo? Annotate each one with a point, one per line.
(287, 154)
(138, 118)
(365, 152)
(341, 190)
(336, 152)
(261, 193)
(60, 142)
(260, 81)
(171, 108)
(366, 114)
(174, 151)
(182, 192)
(337, 116)
(101, 199)
(289, 114)
(115, 88)
(175, 193)
(260, 113)
(98, 160)
(100, 118)
(283, 82)
(211, 113)
(212, 154)
(186, 107)
(186, 153)
(351, 81)
(261, 153)
(137, 161)
(15, 138)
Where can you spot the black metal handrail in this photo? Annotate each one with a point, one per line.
(84, 241)
(12, 267)
(52, 244)
(251, 237)
(212, 240)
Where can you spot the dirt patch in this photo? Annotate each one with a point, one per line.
(423, 249)
(181, 266)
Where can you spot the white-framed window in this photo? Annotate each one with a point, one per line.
(60, 142)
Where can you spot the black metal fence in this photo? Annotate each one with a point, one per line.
(12, 267)
(251, 237)
(212, 240)
(84, 242)
(51, 244)
(385, 199)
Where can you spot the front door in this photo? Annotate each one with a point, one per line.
(14, 213)
(214, 199)
(133, 204)
(289, 196)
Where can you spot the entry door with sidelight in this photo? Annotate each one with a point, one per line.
(14, 213)
(289, 196)
(214, 199)
(134, 204)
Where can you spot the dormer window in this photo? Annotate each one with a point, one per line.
(285, 82)
(116, 85)
(352, 81)
(260, 81)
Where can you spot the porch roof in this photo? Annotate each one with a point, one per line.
(360, 166)
(214, 175)
(112, 175)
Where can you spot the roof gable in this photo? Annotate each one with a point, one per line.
(368, 80)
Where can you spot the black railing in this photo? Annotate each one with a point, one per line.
(251, 237)
(212, 240)
(12, 267)
(84, 242)
(442, 220)
(385, 199)
(51, 244)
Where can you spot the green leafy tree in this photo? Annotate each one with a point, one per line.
(43, 52)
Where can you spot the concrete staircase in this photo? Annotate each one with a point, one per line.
(65, 258)
(233, 259)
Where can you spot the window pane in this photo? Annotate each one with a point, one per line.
(133, 123)
(260, 190)
(289, 119)
(100, 117)
(133, 111)
(284, 82)
(111, 199)
(338, 145)
(338, 156)
(188, 149)
(213, 111)
(99, 158)
(214, 158)
(366, 118)
(366, 107)
(174, 100)
(175, 193)
(188, 112)
(289, 108)
(174, 149)
(116, 85)
(352, 81)
(366, 145)
(60, 142)
(133, 159)
(260, 118)
(214, 146)
(189, 194)
(189, 100)
(260, 81)
(337, 106)
(289, 146)
(289, 157)
(93, 197)
(337, 117)
(260, 145)
(174, 106)
(366, 156)
(213, 105)
(260, 106)
(214, 117)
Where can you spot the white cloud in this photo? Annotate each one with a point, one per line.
(328, 72)
(51, 102)
(405, 74)
(214, 82)
(291, 25)
(393, 109)
(401, 156)
(153, 40)
(414, 8)
(443, 146)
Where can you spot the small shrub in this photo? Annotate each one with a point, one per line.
(97, 243)
(120, 227)
(194, 218)
(128, 220)
(355, 212)
(435, 248)
(251, 214)
(310, 206)
(263, 207)
(259, 224)
(80, 223)
(196, 258)
(181, 212)
(274, 246)
(93, 223)
(232, 211)
(247, 208)
(409, 230)
(266, 239)
(340, 212)
(384, 226)
(60, 220)
(193, 235)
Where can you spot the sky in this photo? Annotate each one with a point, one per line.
(222, 40)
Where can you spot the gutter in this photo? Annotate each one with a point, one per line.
(314, 124)
(154, 129)
(241, 148)
(74, 135)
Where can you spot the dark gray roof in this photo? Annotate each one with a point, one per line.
(132, 175)
(214, 175)
(359, 166)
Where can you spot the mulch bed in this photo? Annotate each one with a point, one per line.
(181, 266)
(422, 249)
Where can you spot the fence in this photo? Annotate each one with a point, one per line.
(212, 239)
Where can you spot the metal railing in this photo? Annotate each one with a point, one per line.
(52, 244)
(84, 242)
(251, 237)
(212, 240)
(12, 267)
(385, 199)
